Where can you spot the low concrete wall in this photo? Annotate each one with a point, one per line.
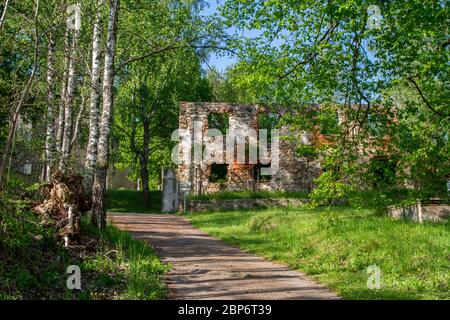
(431, 210)
(242, 204)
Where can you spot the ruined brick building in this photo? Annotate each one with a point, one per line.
(293, 174)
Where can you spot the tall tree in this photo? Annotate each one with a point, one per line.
(50, 142)
(147, 109)
(94, 111)
(69, 98)
(99, 185)
(63, 95)
(162, 65)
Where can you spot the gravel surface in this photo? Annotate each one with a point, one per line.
(207, 268)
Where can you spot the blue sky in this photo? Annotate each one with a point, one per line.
(220, 62)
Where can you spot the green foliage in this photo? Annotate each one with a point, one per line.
(30, 259)
(327, 220)
(330, 189)
(335, 246)
(306, 150)
(151, 88)
(218, 173)
(390, 83)
(225, 87)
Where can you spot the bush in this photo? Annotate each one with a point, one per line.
(330, 190)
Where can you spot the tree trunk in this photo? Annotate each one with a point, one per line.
(99, 186)
(68, 102)
(23, 96)
(60, 132)
(76, 129)
(91, 154)
(144, 177)
(50, 143)
(142, 154)
(144, 160)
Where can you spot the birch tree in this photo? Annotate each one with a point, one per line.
(99, 185)
(3, 16)
(61, 112)
(94, 113)
(50, 143)
(68, 101)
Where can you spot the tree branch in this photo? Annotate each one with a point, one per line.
(312, 55)
(411, 79)
(169, 48)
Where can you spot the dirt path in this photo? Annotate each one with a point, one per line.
(207, 268)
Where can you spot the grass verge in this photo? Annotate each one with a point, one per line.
(131, 201)
(227, 195)
(336, 246)
(130, 267)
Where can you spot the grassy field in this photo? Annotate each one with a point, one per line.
(225, 195)
(131, 201)
(336, 247)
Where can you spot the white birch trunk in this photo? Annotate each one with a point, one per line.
(68, 102)
(94, 112)
(50, 143)
(2, 18)
(60, 124)
(99, 185)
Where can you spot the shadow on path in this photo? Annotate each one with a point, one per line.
(207, 268)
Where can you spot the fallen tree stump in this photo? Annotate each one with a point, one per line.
(65, 202)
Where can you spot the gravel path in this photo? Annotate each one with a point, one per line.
(207, 268)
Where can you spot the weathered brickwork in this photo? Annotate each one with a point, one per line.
(295, 173)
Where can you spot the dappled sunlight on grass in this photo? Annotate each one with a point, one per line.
(336, 245)
(131, 201)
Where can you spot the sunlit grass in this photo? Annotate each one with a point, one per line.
(226, 195)
(133, 264)
(336, 246)
(131, 201)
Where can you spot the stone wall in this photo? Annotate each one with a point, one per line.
(434, 211)
(294, 174)
(242, 204)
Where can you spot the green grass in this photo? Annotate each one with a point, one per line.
(226, 195)
(129, 267)
(336, 246)
(131, 201)
(33, 262)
